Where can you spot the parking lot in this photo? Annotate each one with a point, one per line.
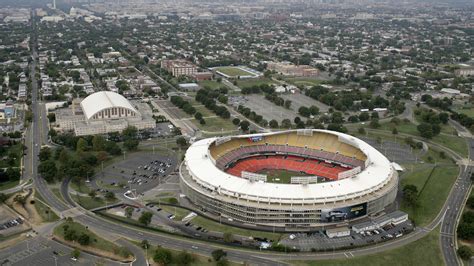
(298, 100)
(10, 222)
(267, 109)
(394, 151)
(319, 241)
(141, 171)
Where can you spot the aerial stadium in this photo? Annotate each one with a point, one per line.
(290, 179)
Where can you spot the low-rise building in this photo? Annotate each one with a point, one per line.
(179, 67)
(103, 112)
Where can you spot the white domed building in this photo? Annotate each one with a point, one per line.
(104, 112)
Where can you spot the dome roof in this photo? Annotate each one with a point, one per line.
(102, 100)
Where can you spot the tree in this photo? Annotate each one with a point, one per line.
(109, 195)
(364, 116)
(13, 173)
(464, 252)
(314, 110)
(84, 239)
(236, 121)
(144, 244)
(222, 262)
(128, 212)
(361, 130)
(304, 111)
(228, 237)
(394, 131)
(131, 144)
(287, 104)
(163, 256)
(182, 142)
(48, 170)
(273, 123)
(244, 125)
(92, 194)
(426, 130)
(286, 123)
(184, 258)
(145, 218)
(3, 197)
(20, 199)
(52, 117)
(410, 195)
(218, 254)
(98, 143)
(374, 123)
(75, 253)
(44, 154)
(198, 116)
(81, 145)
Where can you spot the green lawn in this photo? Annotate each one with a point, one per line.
(57, 193)
(467, 110)
(215, 124)
(242, 83)
(425, 251)
(233, 71)
(8, 184)
(455, 143)
(432, 192)
(283, 176)
(304, 81)
(90, 203)
(15, 151)
(452, 142)
(199, 260)
(407, 128)
(80, 187)
(179, 213)
(47, 215)
(212, 84)
(218, 227)
(96, 241)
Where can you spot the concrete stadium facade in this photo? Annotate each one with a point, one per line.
(288, 206)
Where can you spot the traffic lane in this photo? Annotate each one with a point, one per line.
(139, 254)
(170, 242)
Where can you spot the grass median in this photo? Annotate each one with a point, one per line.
(72, 233)
(434, 184)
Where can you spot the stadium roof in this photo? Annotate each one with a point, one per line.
(376, 175)
(102, 100)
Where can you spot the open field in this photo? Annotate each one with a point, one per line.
(212, 84)
(303, 81)
(455, 143)
(8, 184)
(242, 83)
(96, 242)
(215, 124)
(231, 71)
(280, 176)
(425, 251)
(14, 150)
(47, 215)
(90, 203)
(467, 110)
(434, 184)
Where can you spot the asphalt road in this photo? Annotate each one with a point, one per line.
(454, 207)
